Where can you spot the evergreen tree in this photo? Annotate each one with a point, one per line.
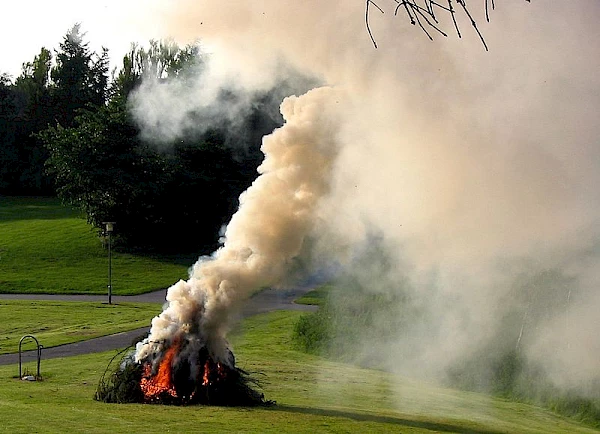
(34, 111)
(45, 95)
(8, 152)
(80, 77)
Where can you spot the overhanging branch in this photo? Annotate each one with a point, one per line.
(423, 14)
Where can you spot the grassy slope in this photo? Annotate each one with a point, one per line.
(56, 323)
(48, 248)
(316, 296)
(313, 395)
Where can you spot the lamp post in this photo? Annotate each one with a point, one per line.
(109, 229)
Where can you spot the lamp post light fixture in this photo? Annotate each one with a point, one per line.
(109, 226)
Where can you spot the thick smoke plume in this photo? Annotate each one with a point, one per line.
(480, 170)
(265, 234)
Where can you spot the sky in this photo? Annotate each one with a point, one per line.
(29, 25)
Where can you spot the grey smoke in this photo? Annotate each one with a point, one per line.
(480, 169)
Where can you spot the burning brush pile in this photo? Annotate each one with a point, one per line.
(183, 374)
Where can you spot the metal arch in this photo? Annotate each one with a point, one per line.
(39, 355)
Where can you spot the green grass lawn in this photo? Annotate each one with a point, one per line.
(48, 248)
(312, 394)
(316, 296)
(56, 323)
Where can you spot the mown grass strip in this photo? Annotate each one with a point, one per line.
(57, 323)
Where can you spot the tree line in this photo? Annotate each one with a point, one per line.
(65, 130)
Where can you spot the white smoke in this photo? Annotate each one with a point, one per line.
(204, 95)
(276, 213)
(479, 168)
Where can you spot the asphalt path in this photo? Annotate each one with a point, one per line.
(265, 301)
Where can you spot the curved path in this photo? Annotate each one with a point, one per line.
(265, 301)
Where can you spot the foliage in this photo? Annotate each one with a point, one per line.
(161, 60)
(8, 131)
(48, 93)
(101, 166)
(311, 332)
(509, 374)
(122, 386)
(31, 109)
(80, 77)
(349, 317)
(173, 198)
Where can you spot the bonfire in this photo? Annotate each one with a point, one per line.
(182, 374)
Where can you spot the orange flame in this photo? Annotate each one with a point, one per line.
(205, 377)
(210, 375)
(160, 383)
(221, 370)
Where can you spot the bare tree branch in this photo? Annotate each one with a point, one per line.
(451, 10)
(423, 14)
(473, 23)
(370, 2)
